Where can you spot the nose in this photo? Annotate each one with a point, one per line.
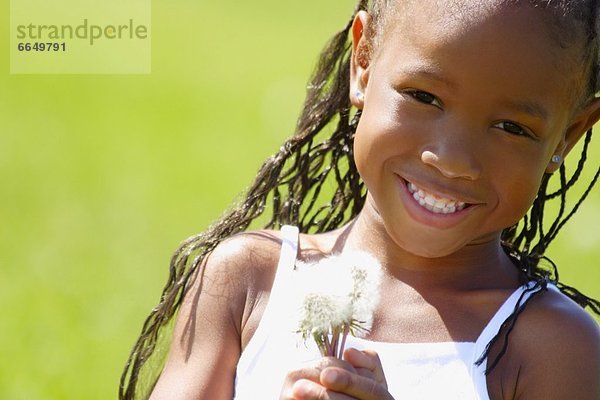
(453, 159)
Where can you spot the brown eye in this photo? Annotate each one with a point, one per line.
(425, 98)
(511, 128)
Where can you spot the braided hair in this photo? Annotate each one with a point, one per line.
(312, 182)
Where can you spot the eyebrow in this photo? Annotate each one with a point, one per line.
(428, 71)
(529, 107)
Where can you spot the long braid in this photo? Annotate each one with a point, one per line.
(527, 246)
(527, 255)
(291, 182)
(293, 185)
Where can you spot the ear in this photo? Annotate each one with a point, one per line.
(583, 121)
(361, 58)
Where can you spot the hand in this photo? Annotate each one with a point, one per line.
(360, 377)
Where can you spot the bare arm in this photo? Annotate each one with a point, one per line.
(206, 343)
(560, 344)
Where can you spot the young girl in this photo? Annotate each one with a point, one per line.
(450, 118)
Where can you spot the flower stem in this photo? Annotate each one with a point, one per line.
(343, 344)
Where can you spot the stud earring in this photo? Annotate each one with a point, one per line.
(360, 95)
(556, 159)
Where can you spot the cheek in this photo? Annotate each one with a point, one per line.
(371, 150)
(517, 188)
(382, 136)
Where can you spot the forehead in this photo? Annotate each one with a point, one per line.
(454, 17)
(498, 40)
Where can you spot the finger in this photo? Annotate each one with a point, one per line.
(308, 390)
(326, 362)
(304, 389)
(367, 364)
(366, 373)
(311, 372)
(354, 385)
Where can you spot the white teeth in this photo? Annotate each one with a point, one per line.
(429, 200)
(440, 204)
(433, 203)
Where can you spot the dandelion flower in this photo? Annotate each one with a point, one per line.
(336, 296)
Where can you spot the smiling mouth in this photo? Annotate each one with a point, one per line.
(433, 203)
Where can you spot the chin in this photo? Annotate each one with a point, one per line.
(430, 252)
(428, 248)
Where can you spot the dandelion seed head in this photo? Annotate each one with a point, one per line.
(336, 294)
(321, 313)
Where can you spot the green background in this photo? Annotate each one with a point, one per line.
(103, 175)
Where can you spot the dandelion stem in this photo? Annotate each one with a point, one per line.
(343, 344)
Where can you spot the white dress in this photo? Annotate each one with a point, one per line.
(415, 371)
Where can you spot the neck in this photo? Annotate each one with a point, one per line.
(480, 265)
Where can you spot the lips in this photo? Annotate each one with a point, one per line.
(434, 203)
(434, 209)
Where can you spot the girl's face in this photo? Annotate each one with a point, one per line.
(460, 110)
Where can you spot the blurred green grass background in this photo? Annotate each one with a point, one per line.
(102, 176)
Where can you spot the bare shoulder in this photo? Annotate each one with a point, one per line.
(207, 338)
(245, 258)
(557, 344)
(242, 269)
(553, 319)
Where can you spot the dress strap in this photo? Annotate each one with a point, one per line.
(289, 248)
(273, 309)
(285, 267)
(514, 302)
